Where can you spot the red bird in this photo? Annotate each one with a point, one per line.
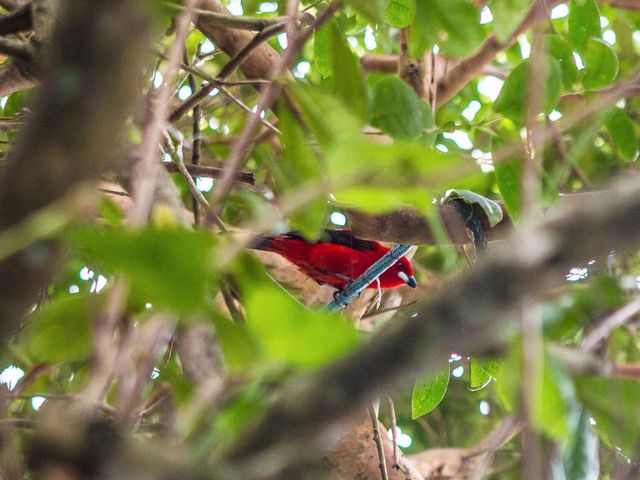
(337, 258)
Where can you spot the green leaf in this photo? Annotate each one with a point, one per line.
(512, 101)
(428, 393)
(584, 23)
(298, 166)
(322, 49)
(170, 266)
(240, 349)
(397, 109)
(623, 132)
(290, 332)
(491, 209)
(378, 177)
(400, 13)
(453, 24)
(478, 376)
(507, 15)
(509, 180)
(553, 402)
(577, 458)
(326, 116)
(60, 331)
(601, 65)
(372, 9)
(348, 81)
(560, 49)
(613, 404)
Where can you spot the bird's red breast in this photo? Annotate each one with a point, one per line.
(337, 258)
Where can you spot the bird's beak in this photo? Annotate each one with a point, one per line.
(409, 280)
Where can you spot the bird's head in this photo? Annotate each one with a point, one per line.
(399, 274)
(404, 271)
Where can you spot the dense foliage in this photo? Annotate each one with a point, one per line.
(513, 107)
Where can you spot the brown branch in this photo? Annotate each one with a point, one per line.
(628, 4)
(481, 303)
(210, 172)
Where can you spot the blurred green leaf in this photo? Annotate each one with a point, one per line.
(325, 115)
(372, 9)
(507, 15)
(289, 332)
(512, 101)
(478, 376)
(60, 331)
(623, 131)
(560, 49)
(509, 180)
(240, 349)
(396, 109)
(584, 23)
(284, 329)
(428, 393)
(453, 24)
(170, 266)
(348, 81)
(298, 166)
(577, 459)
(400, 13)
(613, 404)
(601, 65)
(322, 49)
(377, 177)
(491, 209)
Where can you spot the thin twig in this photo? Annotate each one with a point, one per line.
(242, 105)
(379, 445)
(222, 20)
(210, 172)
(196, 142)
(145, 180)
(394, 434)
(604, 327)
(226, 71)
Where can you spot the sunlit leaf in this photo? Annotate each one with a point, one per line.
(170, 267)
(509, 180)
(613, 404)
(372, 9)
(512, 101)
(299, 165)
(60, 331)
(559, 48)
(428, 393)
(396, 109)
(348, 81)
(584, 23)
(453, 24)
(400, 13)
(577, 458)
(478, 376)
(623, 131)
(601, 64)
(507, 15)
